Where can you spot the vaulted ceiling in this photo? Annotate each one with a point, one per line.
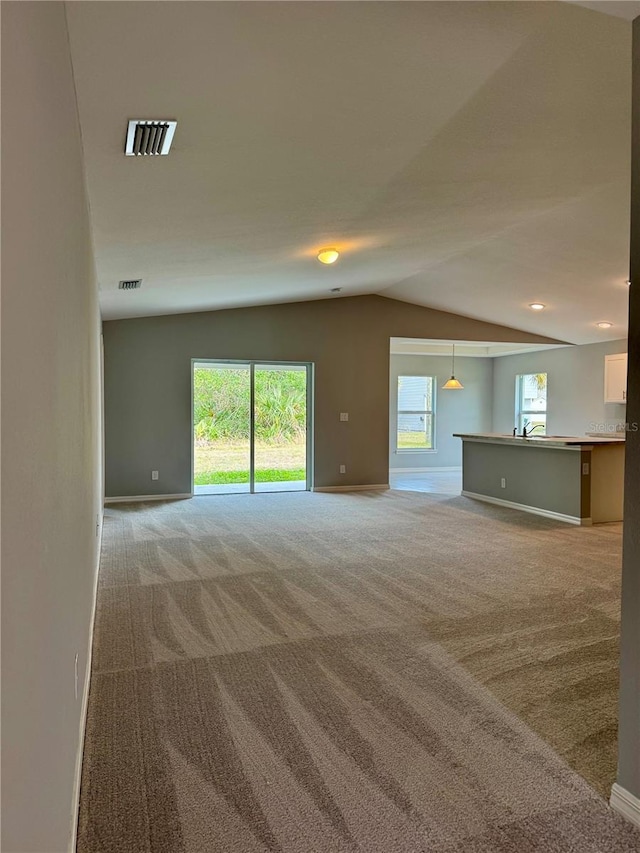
(469, 156)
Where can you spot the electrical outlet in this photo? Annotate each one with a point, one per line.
(503, 483)
(343, 469)
(344, 416)
(154, 475)
(75, 675)
(97, 524)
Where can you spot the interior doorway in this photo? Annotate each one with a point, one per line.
(251, 426)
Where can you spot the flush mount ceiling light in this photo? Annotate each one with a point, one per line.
(537, 306)
(328, 256)
(604, 324)
(453, 384)
(149, 137)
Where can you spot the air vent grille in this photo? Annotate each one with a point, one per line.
(148, 138)
(130, 284)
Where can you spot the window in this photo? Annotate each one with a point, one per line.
(531, 402)
(415, 413)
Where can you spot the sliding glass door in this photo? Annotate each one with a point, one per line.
(221, 428)
(251, 428)
(280, 427)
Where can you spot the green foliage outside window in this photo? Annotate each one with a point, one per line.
(221, 405)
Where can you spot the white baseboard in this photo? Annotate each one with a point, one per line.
(625, 803)
(547, 513)
(135, 498)
(368, 487)
(423, 470)
(85, 702)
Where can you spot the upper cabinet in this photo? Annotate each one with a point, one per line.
(615, 378)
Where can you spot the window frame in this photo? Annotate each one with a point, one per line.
(523, 414)
(425, 411)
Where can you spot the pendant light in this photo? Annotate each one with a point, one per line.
(453, 384)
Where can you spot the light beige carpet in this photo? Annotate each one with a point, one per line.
(317, 672)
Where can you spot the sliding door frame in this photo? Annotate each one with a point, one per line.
(252, 427)
(251, 364)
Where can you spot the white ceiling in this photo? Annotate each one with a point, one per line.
(473, 157)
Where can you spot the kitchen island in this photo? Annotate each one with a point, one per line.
(575, 479)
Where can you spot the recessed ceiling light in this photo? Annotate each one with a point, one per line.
(604, 324)
(328, 256)
(537, 306)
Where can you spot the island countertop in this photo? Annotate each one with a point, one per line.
(574, 478)
(565, 441)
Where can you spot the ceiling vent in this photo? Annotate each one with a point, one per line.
(130, 284)
(149, 138)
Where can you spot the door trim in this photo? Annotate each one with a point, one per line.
(252, 428)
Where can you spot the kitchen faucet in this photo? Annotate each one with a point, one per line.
(524, 428)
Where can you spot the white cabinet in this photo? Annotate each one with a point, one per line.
(615, 378)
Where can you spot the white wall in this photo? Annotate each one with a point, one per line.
(468, 410)
(575, 395)
(51, 490)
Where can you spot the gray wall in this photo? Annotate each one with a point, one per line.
(148, 381)
(544, 477)
(629, 731)
(469, 410)
(575, 396)
(50, 449)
